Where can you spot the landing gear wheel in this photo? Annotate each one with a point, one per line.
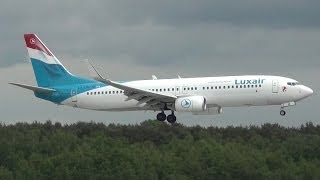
(282, 113)
(171, 118)
(161, 116)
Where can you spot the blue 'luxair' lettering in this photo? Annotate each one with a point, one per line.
(249, 81)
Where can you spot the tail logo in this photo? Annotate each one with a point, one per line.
(32, 41)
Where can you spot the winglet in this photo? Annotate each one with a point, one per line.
(94, 73)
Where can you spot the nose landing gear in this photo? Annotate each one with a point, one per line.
(283, 112)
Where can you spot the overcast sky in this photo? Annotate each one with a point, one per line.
(132, 40)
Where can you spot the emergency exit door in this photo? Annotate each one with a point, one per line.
(275, 86)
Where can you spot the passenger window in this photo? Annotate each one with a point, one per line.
(203, 88)
(168, 89)
(164, 89)
(95, 93)
(252, 86)
(219, 87)
(224, 87)
(260, 85)
(228, 87)
(211, 87)
(240, 86)
(191, 88)
(87, 93)
(195, 88)
(188, 89)
(232, 87)
(113, 92)
(216, 87)
(173, 89)
(109, 92)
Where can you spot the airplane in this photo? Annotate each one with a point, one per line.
(199, 96)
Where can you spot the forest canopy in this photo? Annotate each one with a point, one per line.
(156, 150)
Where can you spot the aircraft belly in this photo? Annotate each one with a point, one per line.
(103, 103)
(234, 100)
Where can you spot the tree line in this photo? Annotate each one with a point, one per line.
(156, 150)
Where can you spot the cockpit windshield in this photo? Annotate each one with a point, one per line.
(293, 83)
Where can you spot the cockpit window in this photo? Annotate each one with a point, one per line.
(292, 83)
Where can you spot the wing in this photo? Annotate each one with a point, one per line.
(146, 99)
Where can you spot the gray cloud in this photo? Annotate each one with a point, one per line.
(156, 32)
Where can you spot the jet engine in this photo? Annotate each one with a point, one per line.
(190, 104)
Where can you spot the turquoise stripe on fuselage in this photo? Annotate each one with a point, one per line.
(64, 92)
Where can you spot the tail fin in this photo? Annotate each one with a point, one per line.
(47, 68)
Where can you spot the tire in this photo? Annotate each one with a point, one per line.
(161, 116)
(171, 118)
(282, 113)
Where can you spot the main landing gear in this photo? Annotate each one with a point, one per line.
(171, 118)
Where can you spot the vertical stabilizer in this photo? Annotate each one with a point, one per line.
(47, 68)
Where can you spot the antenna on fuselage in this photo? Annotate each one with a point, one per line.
(154, 77)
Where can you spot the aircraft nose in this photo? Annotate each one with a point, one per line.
(306, 91)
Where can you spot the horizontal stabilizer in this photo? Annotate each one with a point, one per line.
(35, 88)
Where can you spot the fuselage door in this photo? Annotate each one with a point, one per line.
(275, 86)
(74, 95)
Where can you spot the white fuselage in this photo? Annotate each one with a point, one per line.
(228, 91)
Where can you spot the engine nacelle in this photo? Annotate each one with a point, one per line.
(210, 111)
(190, 104)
